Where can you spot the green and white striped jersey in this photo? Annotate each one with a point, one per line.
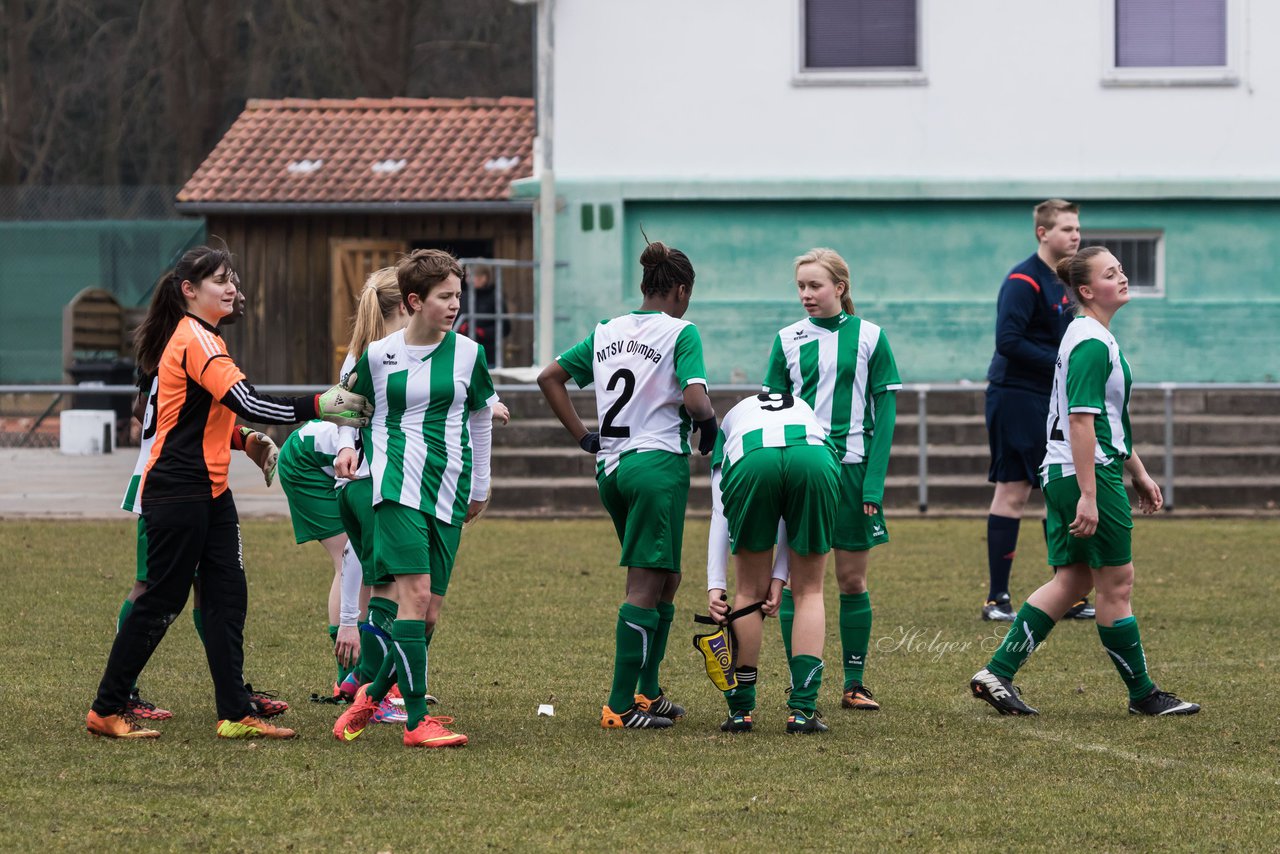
(314, 445)
(640, 363)
(133, 494)
(837, 365)
(420, 450)
(1092, 376)
(766, 421)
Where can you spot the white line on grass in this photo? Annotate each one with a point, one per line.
(1157, 761)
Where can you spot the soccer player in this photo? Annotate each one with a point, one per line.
(259, 448)
(428, 450)
(842, 367)
(189, 513)
(773, 461)
(1090, 524)
(1032, 313)
(651, 391)
(307, 477)
(380, 312)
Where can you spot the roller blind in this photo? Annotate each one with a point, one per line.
(860, 33)
(1171, 33)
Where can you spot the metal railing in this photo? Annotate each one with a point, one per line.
(921, 390)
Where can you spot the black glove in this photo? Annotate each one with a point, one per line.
(590, 442)
(706, 435)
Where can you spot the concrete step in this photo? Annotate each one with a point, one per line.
(953, 430)
(578, 495)
(965, 460)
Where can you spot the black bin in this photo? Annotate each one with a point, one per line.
(113, 372)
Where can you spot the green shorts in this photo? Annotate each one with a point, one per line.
(1112, 543)
(797, 483)
(355, 505)
(408, 541)
(646, 496)
(313, 502)
(855, 530)
(140, 573)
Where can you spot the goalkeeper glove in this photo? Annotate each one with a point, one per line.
(590, 442)
(259, 448)
(342, 406)
(707, 433)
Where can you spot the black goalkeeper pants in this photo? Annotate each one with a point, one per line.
(182, 537)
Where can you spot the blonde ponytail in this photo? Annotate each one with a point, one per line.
(378, 300)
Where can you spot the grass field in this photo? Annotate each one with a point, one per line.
(530, 620)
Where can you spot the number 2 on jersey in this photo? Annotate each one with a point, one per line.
(607, 427)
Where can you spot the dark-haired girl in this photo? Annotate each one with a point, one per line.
(188, 511)
(651, 393)
(842, 366)
(1089, 522)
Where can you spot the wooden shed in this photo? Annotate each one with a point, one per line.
(313, 195)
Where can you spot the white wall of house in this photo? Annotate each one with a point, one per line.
(1012, 90)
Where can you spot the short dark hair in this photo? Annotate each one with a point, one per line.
(423, 269)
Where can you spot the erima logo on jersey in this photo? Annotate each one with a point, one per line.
(389, 359)
(798, 334)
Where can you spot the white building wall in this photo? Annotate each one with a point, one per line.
(704, 88)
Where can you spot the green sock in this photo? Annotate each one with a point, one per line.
(425, 648)
(409, 649)
(742, 698)
(1028, 631)
(806, 679)
(1123, 643)
(125, 610)
(786, 618)
(198, 619)
(373, 646)
(855, 634)
(649, 673)
(633, 643)
(333, 639)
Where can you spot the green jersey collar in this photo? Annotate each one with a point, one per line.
(830, 323)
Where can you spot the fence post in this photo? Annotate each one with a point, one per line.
(1168, 444)
(922, 437)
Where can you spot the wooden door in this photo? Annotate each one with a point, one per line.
(353, 260)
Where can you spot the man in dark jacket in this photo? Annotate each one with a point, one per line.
(1032, 313)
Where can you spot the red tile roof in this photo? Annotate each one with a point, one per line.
(368, 151)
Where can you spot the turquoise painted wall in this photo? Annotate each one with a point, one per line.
(928, 272)
(44, 264)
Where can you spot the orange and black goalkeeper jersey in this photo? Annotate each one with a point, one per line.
(201, 391)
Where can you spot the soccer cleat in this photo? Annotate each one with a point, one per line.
(398, 698)
(263, 704)
(117, 726)
(737, 722)
(253, 727)
(389, 713)
(1000, 693)
(346, 689)
(659, 706)
(431, 732)
(1000, 609)
(858, 696)
(429, 699)
(355, 717)
(1160, 703)
(1082, 610)
(142, 710)
(803, 723)
(632, 718)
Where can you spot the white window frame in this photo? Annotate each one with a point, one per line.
(1104, 235)
(802, 76)
(1219, 75)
